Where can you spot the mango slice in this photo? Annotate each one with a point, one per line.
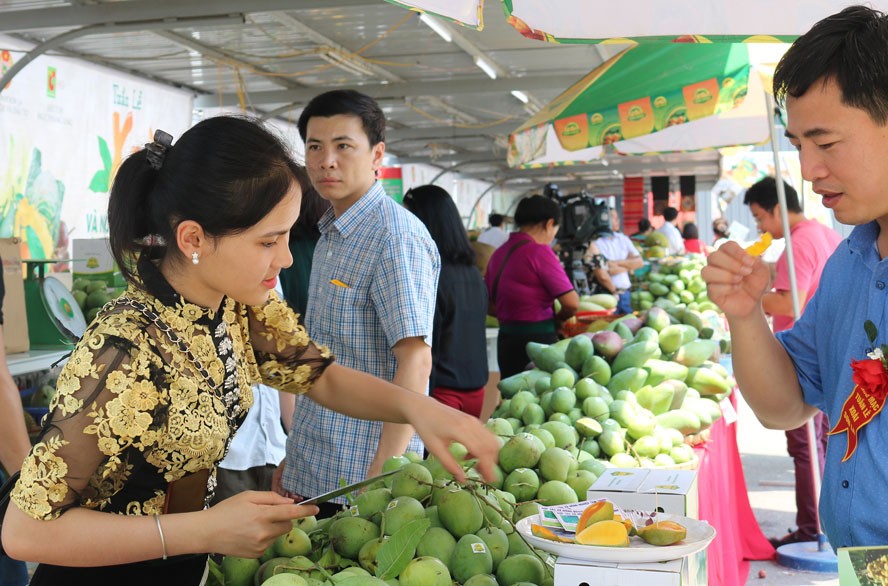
(663, 533)
(759, 247)
(605, 533)
(546, 533)
(594, 513)
(630, 526)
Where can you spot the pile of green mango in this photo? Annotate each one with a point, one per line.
(417, 527)
(675, 282)
(631, 393)
(92, 294)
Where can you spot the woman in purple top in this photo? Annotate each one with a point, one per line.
(524, 278)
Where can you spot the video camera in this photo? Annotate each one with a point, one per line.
(583, 219)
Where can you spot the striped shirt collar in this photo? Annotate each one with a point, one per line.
(353, 216)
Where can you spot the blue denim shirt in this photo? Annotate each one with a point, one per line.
(822, 344)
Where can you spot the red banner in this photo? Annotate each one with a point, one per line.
(865, 402)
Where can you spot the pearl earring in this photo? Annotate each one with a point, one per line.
(195, 258)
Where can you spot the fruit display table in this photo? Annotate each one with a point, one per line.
(724, 503)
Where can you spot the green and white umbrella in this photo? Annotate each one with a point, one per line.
(649, 98)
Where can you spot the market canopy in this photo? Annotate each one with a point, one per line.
(642, 91)
(644, 21)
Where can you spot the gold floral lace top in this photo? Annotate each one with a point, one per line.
(132, 413)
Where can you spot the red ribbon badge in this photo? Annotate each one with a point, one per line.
(865, 401)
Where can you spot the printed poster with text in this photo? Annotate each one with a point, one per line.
(65, 126)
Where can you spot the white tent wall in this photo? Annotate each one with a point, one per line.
(464, 191)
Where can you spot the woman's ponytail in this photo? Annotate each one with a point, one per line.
(129, 210)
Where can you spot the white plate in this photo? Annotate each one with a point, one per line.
(700, 534)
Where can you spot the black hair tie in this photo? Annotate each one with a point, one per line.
(157, 149)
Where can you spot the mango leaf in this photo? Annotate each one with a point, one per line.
(399, 549)
(871, 331)
(105, 154)
(99, 183)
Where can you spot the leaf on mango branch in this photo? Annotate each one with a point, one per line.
(396, 553)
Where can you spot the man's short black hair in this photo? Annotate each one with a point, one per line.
(495, 220)
(764, 194)
(349, 103)
(669, 213)
(849, 48)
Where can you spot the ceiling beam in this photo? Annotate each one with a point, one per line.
(76, 16)
(405, 89)
(449, 132)
(214, 54)
(624, 167)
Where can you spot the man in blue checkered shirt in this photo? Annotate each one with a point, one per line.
(371, 296)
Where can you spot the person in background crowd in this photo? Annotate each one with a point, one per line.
(495, 236)
(459, 341)
(147, 402)
(833, 82)
(644, 228)
(303, 239)
(596, 261)
(14, 443)
(622, 258)
(524, 278)
(812, 245)
(691, 237)
(721, 231)
(371, 295)
(670, 229)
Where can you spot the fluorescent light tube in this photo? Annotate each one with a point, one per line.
(436, 26)
(520, 96)
(485, 67)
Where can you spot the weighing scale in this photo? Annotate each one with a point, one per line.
(55, 320)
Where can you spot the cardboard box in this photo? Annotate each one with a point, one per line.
(649, 489)
(570, 572)
(93, 259)
(15, 317)
(689, 571)
(862, 566)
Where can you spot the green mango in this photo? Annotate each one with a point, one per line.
(578, 351)
(707, 381)
(597, 368)
(684, 421)
(634, 355)
(656, 399)
(660, 370)
(696, 352)
(544, 356)
(673, 337)
(631, 378)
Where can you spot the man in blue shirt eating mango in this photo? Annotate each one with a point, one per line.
(834, 83)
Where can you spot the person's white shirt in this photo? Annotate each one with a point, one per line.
(676, 242)
(617, 246)
(493, 236)
(261, 439)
